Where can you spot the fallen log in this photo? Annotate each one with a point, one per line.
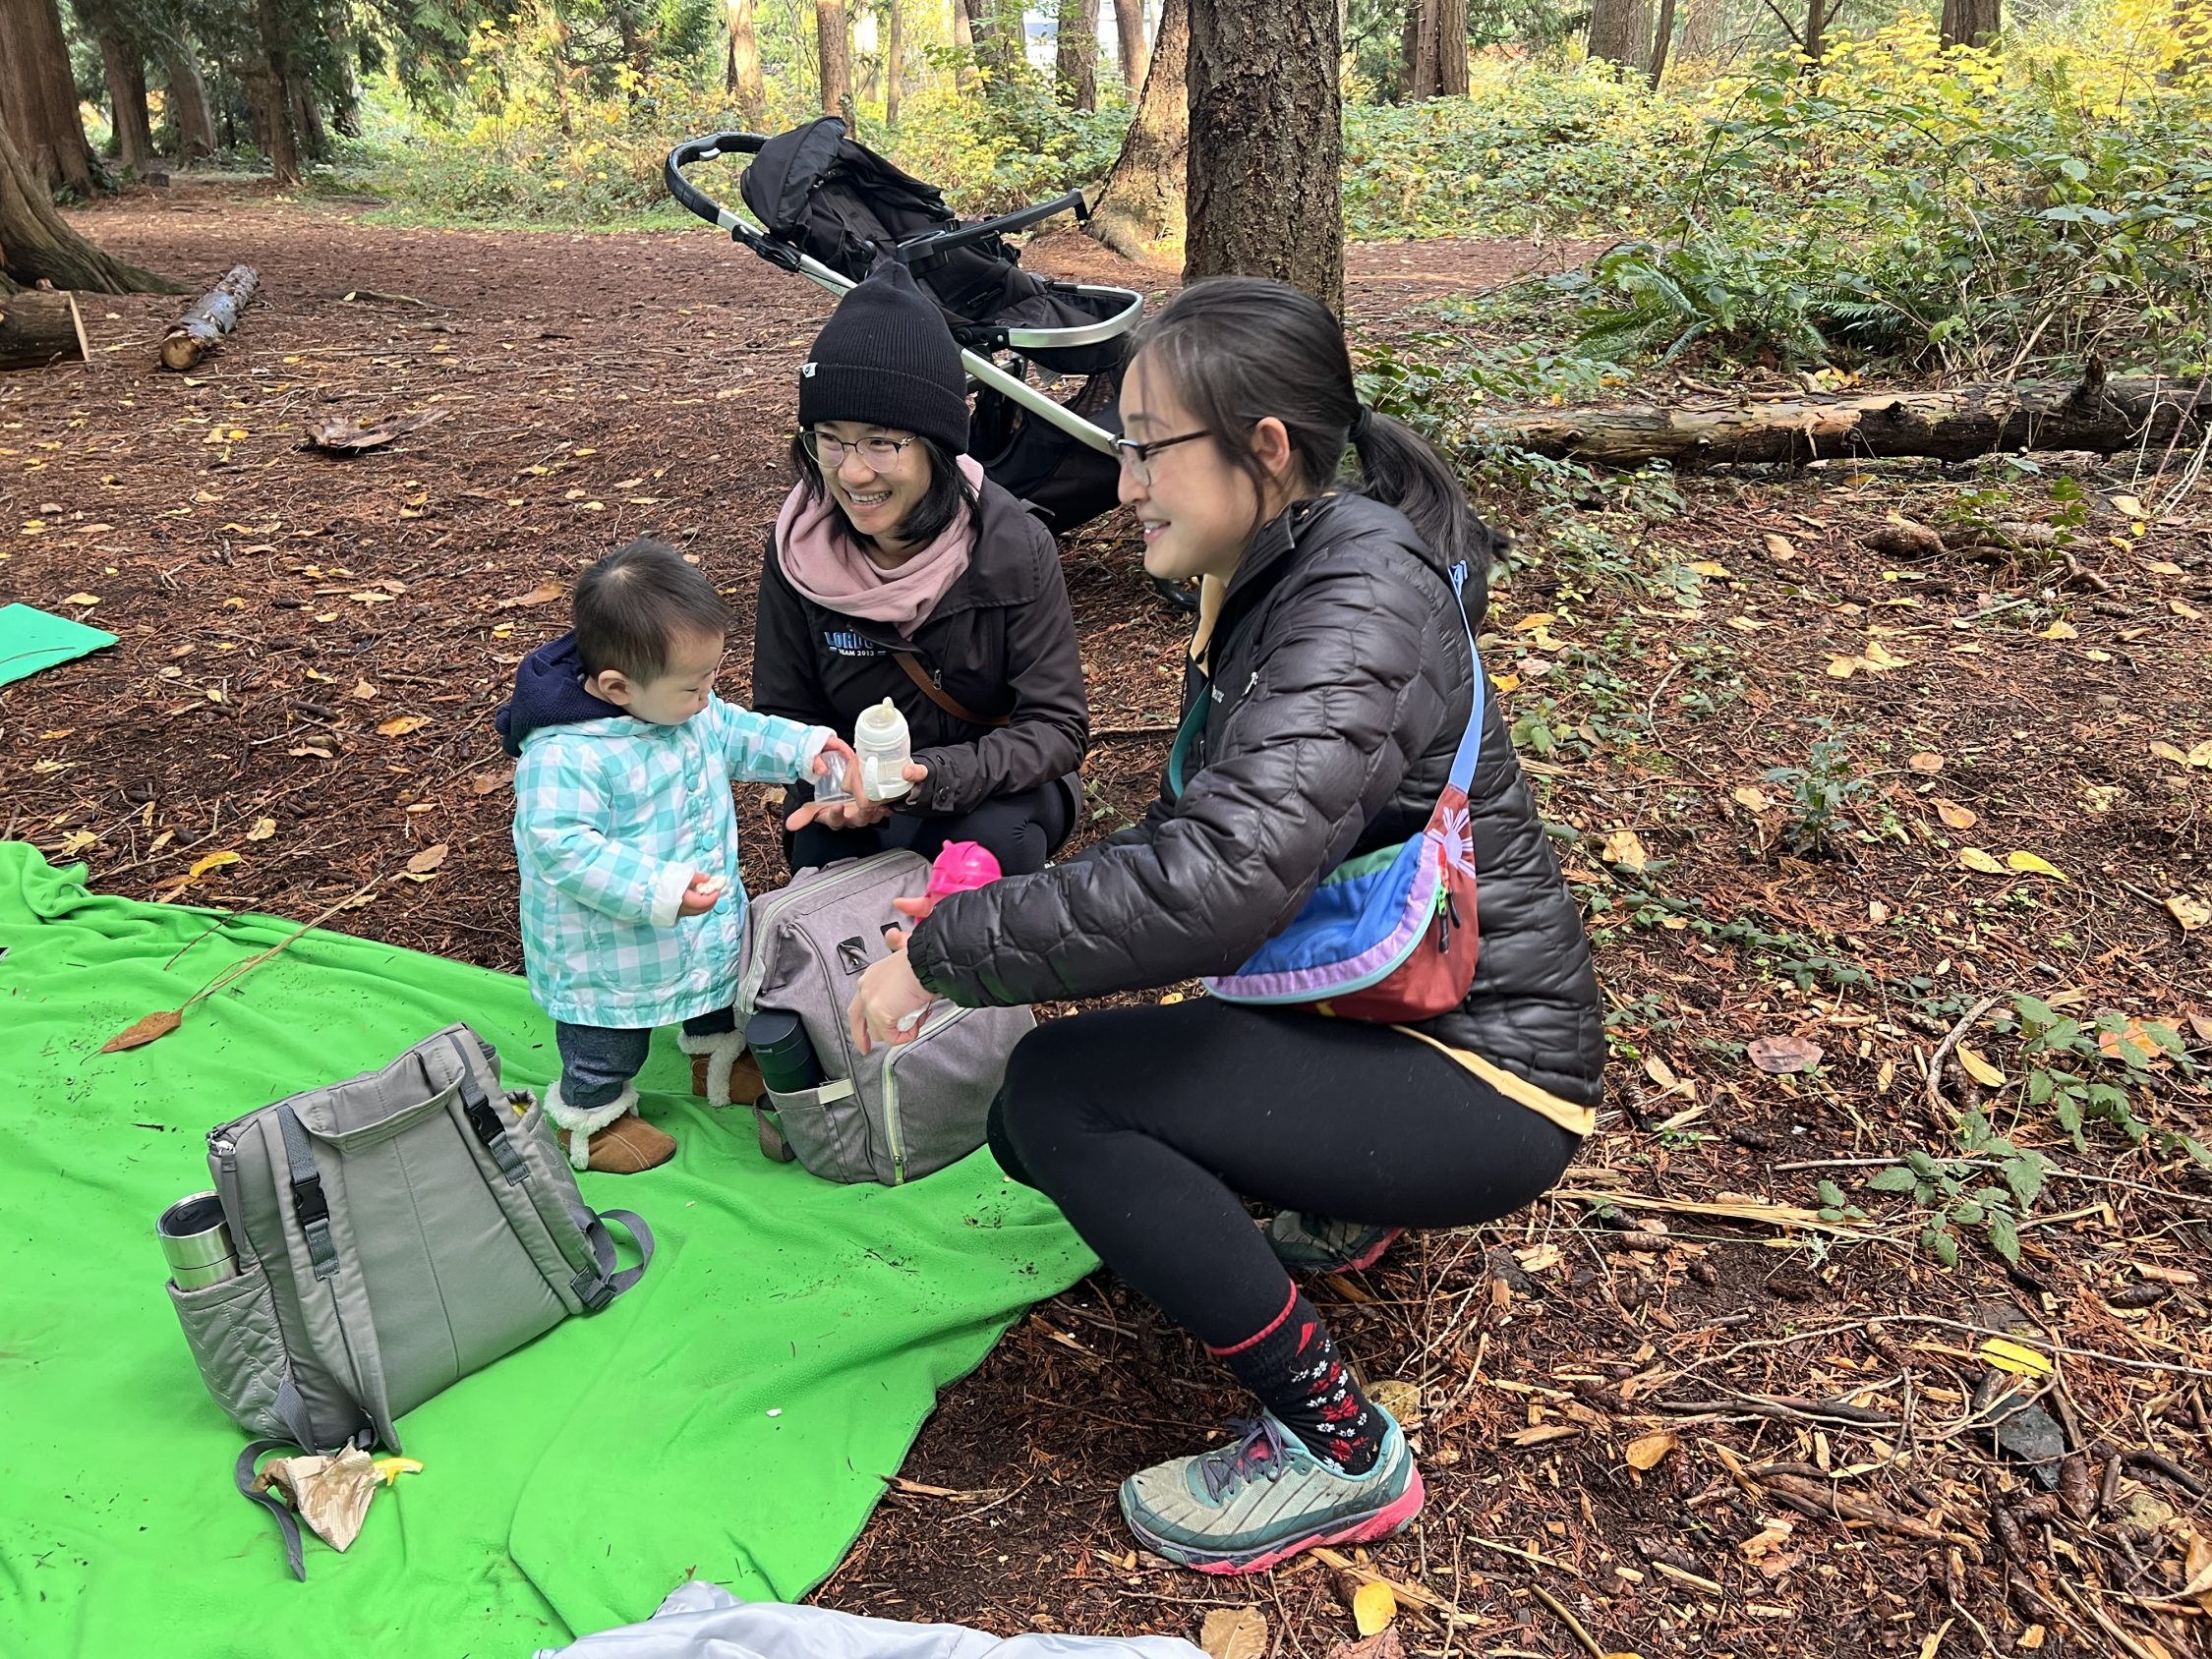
(2100, 415)
(38, 329)
(208, 319)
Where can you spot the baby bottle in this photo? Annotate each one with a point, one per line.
(879, 742)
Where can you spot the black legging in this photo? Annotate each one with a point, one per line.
(1022, 830)
(1147, 1127)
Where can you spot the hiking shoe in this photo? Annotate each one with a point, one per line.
(1318, 1244)
(1265, 1497)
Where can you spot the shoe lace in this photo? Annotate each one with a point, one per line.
(1260, 1449)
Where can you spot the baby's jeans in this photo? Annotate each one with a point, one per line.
(598, 1060)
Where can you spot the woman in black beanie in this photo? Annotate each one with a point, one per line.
(897, 570)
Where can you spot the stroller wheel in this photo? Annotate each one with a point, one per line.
(1183, 596)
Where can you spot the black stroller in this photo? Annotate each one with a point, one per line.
(827, 208)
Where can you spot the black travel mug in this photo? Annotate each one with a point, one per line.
(779, 1045)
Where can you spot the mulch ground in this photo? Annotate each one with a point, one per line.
(1670, 1411)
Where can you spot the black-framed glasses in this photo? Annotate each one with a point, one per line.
(1137, 458)
(880, 453)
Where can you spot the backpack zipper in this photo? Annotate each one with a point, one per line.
(890, 1091)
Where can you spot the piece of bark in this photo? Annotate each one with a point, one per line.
(208, 319)
(350, 437)
(38, 329)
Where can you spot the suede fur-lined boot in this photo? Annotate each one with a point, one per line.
(721, 1069)
(611, 1138)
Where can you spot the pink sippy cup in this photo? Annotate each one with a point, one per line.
(962, 865)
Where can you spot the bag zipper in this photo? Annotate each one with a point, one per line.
(891, 1129)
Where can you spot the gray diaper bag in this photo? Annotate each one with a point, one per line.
(898, 1113)
(392, 1234)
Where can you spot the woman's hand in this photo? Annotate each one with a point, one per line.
(890, 1002)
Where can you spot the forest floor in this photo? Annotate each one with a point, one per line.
(1806, 793)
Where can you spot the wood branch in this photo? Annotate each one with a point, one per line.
(2099, 415)
(39, 329)
(208, 319)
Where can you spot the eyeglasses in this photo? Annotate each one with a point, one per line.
(1137, 458)
(880, 453)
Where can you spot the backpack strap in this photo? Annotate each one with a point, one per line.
(308, 1206)
(944, 698)
(1471, 741)
(600, 1284)
(486, 1124)
(291, 1410)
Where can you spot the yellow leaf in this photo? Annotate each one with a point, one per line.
(369, 597)
(1927, 760)
(1710, 567)
(1844, 668)
(1751, 798)
(1957, 816)
(1624, 848)
(2201, 754)
(2128, 506)
(401, 724)
(1373, 1607)
(1780, 546)
(83, 840)
(1878, 657)
(82, 599)
(264, 828)
(213, 861)
(1745, 624)
(1976, 859)
(2184, 609)
(2009, 1355)
(2060, 630)
(1978, 1068)
(1542, 619)
(2027, 864)
(2167, 752)
(1506, 682)
(1646, 1451)
(2191, 913)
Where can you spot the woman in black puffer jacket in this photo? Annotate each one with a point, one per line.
(1336, 681)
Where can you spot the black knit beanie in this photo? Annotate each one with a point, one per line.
(887, 358)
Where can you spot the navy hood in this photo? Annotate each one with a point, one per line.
(549, 691)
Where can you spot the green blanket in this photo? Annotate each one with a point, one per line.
(735, 1415)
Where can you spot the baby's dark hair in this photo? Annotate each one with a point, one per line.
(1238, 349)
(632, 604)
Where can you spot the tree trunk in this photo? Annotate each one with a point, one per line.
(1129, 35)
(1701, 31)
(345, 104)
(895, 60)
(2098, 415)
(307, 118)
(741, 69)
(1451, 48)
(36, 243)
(1266, 150)
(1139, 212)
(270, 83)
(995, 29)
(1972, 23)
(39, 330)
(122, 64)
(1620, 33)
(832, 33)
(1075, 54)
(963, 39)
(38, 97)
(1662, 38)
(1818, 13)
(186, 99)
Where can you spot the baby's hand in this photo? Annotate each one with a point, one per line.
(839, 747)
(701, 897)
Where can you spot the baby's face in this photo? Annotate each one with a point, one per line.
(679, 691)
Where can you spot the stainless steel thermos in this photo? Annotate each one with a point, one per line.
(196, 1242)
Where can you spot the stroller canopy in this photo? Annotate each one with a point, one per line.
(819, 192)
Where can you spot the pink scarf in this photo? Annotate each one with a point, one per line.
(820, 559)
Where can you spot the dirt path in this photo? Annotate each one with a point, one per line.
(312, 647)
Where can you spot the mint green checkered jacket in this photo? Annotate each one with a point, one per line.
(613, 819)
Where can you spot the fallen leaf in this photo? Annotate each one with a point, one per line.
(2009, 1355)
(2030, 865)
(1780, 1055)
(491, 782)
(1780, 546)
(213, 861)
(1844, 668)
(2167, 752)
(264, 828)
(1624, 849)
(1659, 1072)
(1957, 816)
(1751, 796)
(2190, 912)
(82, 599)
(1709, 567)
(1234, 1633)
(2060, 630)
(2201, 754)
(545, 593)
(2185, 610)
(2128, 506)
(1399, 1398)
(1646, 1450)
(160, 1023)
(429, 859)
(363, 690)
(1976, 859)
(1978, 1068)
(1542, 619)
(351, 437)
(1878, 657)
(1927, 760)
(1374, 1607)
(401, 724)
(1546, 1433)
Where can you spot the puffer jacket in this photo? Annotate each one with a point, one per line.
(1340, 687)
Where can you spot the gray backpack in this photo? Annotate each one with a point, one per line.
(393, 1233)
(895, 1113)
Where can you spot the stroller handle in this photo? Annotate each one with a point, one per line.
(690, 197)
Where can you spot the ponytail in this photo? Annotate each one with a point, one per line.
(1240, 349)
